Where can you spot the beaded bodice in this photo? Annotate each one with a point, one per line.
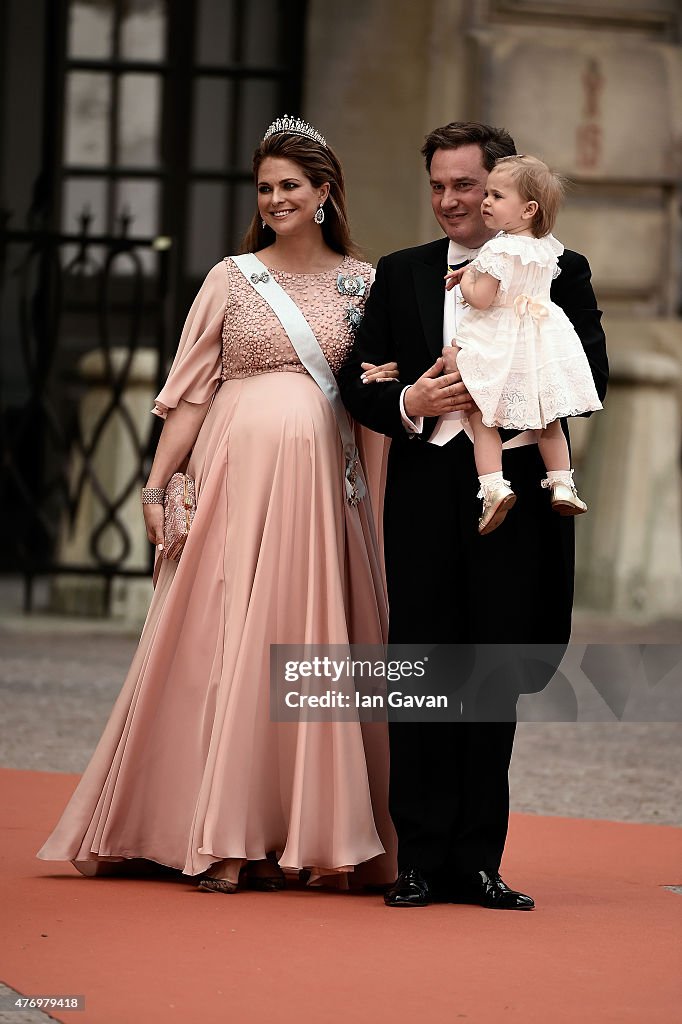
(255, 342)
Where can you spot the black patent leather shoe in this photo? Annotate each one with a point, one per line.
(490, 891)
(410, 890)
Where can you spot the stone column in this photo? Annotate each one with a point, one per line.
(114, 461)
(629, 553)
(379, 76)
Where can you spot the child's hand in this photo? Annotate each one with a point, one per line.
(449, 357)
(453, 277)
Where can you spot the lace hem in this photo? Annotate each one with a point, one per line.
(517, 402)
(508, 424)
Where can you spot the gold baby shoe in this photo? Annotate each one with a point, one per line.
(565, 498)
(497, 500)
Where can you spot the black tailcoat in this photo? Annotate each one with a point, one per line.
(447, 584)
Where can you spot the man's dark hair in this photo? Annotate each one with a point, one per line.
(494, 142)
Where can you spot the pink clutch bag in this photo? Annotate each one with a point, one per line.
(179, 506)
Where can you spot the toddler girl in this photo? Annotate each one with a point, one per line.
(519, 356)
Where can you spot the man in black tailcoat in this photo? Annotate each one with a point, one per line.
(449, 795)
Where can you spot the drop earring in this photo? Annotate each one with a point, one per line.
(319, 215)
(263, 223)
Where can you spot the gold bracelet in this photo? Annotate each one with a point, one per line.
(153, 495)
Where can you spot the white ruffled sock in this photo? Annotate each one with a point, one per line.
(560, 476)
(490, 479)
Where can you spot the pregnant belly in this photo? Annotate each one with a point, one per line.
(273, 405)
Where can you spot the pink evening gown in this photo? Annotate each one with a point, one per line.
(190, 769)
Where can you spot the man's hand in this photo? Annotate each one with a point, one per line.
(436, 395)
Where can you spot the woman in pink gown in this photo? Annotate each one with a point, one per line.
(190, 771)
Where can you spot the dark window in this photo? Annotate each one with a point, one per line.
(163, 104)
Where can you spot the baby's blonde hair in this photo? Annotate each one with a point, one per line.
(536, 182)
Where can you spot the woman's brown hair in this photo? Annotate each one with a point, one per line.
(319, 164)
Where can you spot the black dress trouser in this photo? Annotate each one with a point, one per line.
(449, 795)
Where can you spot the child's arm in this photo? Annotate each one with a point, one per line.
(478, 289)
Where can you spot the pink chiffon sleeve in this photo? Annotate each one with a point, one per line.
(196, 370)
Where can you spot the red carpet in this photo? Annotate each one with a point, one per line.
(603, 946)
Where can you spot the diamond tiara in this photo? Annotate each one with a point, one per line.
(295, 126)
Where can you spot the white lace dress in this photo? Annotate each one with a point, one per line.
(521, 359)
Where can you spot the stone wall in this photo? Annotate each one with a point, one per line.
(595, 94)
(592, 87)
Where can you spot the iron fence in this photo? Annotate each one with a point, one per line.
(63, 296)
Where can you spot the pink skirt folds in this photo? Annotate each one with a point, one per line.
(190, 769)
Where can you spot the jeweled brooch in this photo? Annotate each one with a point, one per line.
(353, 317)
(350, 284)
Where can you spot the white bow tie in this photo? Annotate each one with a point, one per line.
(458, 253)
